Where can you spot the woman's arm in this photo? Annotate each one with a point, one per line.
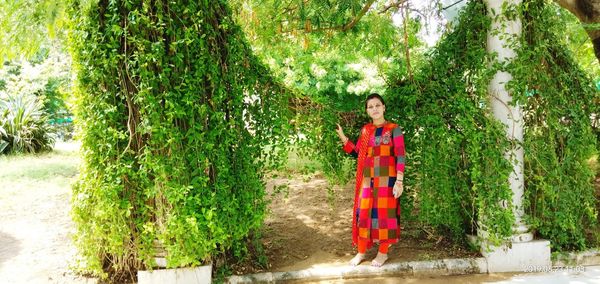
(349, 146)
(398, 139)
(399, 153)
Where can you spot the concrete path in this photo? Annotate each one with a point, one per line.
(580, 275)
(582, 267)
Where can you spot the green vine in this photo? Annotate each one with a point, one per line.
(457, 173)
(560, 140)
(178, 122)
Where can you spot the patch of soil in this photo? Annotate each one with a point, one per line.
(309, 226)
(35, 230)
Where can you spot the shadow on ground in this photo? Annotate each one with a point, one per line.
(9, 247)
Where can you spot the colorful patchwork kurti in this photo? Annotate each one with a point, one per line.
(377, 212)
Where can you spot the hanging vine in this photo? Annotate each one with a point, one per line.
(178, 122)
(456, 171)
(561, 132)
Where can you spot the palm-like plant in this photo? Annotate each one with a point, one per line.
(23, 125)
(3, 143)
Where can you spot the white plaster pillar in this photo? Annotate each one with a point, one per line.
(501, 34)
(522, 252)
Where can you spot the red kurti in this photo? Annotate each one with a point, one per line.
(380, 152)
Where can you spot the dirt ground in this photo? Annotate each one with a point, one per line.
(34, 237)
(35, 246)
(309, 227)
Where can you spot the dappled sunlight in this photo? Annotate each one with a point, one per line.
(305, 219)
(593, 163)
(310, 227)
(303, 228)
(67, 147)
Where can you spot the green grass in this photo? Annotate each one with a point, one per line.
(55, 168)
(301, 163)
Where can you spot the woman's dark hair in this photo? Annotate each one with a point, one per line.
(374, 96)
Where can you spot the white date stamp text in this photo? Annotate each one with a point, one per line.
(548, 268)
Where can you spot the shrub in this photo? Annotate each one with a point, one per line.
(23, 125)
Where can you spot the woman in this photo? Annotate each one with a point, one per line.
(379, 176)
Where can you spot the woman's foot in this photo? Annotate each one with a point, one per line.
(357, 259)
(379, 260)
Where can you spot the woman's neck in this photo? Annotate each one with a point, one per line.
(379, 122)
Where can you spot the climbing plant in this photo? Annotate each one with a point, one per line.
(455, 148)
(456, 167)
(331, 69)
(561, 106)
(459, 171)
(178, 122)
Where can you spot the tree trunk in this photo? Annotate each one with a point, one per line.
(588, 12)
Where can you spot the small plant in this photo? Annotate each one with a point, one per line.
(281, 189)
(23, 125)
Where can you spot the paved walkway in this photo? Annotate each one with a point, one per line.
(584, 268)
(571, 274)
(579, 275)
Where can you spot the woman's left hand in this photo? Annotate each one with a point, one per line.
(398, 189)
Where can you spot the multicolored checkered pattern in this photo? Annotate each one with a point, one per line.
(377, 211)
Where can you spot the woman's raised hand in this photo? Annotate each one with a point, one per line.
(340, 133)
(339, 130)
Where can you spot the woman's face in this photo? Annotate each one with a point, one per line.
(375, 108)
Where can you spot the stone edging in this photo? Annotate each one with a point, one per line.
(589, 257)
(413, 268)
(456, 266)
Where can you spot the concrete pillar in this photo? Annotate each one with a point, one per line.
(523, 252)
(510, 115)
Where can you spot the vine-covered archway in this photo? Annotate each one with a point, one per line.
(179, 121)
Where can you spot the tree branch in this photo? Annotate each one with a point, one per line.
(588, 12)
(342, 28)
(572, 6)
(396, 5)
(357, 18)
